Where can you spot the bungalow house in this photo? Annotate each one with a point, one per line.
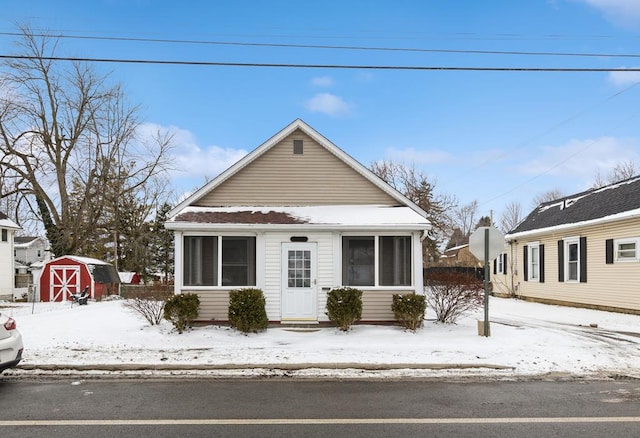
(296, 217)
(7, 232)
(581, 250)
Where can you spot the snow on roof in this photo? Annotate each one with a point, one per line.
(5, 222)
(126, 277)
(610, 203)
(80, 259)
(334, 215)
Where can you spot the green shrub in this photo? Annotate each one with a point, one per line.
(344, 306)
(409, 309)
(181, 310)
(247, 311)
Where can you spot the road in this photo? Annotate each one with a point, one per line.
(318, 408)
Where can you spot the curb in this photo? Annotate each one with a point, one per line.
(279, 366)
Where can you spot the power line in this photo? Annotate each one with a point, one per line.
(319, 66)
(333, 47)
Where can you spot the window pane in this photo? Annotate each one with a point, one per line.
(573, 252)
(299, 272)
(534, 262)
(200, 264)
(395, 260)
(627, 250)
(238, 261)
(573, 271)
(358, 261)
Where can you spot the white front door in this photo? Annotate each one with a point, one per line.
(299, 284)
(64, 281)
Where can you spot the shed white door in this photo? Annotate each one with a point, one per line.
(64, 281)
(299, 283)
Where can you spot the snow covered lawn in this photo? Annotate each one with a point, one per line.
(531, 339)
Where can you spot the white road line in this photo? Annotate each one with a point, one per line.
(315, 421)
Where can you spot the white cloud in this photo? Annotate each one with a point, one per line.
(323, 81)
(329, 104)
(583, 158)
(413, 156)
(192, 165)
(624, 13)
(623, 78)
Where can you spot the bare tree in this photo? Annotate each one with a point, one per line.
(511, 216)
(417, 188)
(621, 171)
(465, 216)
(549, 195)
(68, 143)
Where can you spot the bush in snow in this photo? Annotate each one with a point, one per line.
(148, 302)
(344, 306)
(181, 310)
(247, 311)
(409, 310)
(451, 294)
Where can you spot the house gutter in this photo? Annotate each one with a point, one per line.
(632, 214)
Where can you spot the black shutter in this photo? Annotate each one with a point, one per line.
(609, 251)
(525, 261)
(504, 263)
(541, 262)
(495, 266)
(560, 261)
(583, 260)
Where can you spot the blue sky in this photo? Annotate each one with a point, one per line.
(489, 136)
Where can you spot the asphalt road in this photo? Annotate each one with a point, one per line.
(320, 408)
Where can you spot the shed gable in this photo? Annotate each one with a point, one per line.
(295, 174)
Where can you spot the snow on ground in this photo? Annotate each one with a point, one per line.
(531, 339)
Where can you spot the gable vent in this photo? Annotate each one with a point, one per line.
(298, 148)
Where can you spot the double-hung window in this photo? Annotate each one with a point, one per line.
(534, 262)
(219, 261)
(572, 260)
(572, 267)
(376, 260)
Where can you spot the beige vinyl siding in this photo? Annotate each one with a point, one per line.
(615, 286)
(214, 305)
(376, 304)
(280, 177)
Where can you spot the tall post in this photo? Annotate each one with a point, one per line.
(486, 282)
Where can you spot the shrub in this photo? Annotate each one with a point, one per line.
(344, 306)
(409, 309)
(451, 294)
(148, 302)
(181, 310)
(247, 311)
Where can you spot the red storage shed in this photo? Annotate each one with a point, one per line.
(67, 275)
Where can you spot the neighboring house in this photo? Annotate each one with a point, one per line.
(459, 256)
(7, 270)
(296, 217)
(581, 250)
(30, 249)
(67, 275)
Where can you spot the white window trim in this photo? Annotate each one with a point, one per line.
(500, 267)
(531, 246)
(376, 260)
(618, 242)
(571, 241)
(219, 236)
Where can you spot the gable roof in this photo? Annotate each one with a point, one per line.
(25, 241)
(5, 222)
(273, 141)
(613, 202)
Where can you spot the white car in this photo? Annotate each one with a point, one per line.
(10, 343)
